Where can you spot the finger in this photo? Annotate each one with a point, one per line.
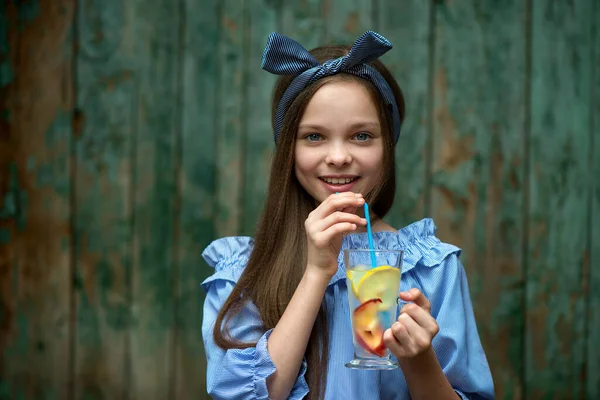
(401, 333)
(421, 316)
(416, 296)
(419, 338)
(392, 343)
(324, 238)
(338, 202)
(334, 196)
(336, 218)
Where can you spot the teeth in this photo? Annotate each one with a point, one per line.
(335, 181)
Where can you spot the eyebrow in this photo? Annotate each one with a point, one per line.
(356, 125)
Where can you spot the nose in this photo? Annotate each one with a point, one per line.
(338, 155)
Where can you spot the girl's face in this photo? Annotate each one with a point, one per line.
(339, 146)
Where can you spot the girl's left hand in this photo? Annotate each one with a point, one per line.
(412, 334)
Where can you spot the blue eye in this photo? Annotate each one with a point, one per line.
(313, 137)
(362, 136)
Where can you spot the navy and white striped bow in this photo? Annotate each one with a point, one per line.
(285, 56)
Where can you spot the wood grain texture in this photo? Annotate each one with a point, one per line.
(478, 167)
(34, 200)
(9, 191)
(259, 144)
(157, 52)
(345, 20)
(592, 373)
(407, 26)
(559, 183)
(132, 134)
(105, 119)
(303, 22)
(197, 148)
(230, 111)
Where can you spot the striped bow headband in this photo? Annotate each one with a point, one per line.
(285, 56)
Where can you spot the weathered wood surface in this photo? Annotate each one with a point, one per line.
(408, 25)
(477, 180)
(196, 180)
(104, 137)
(558, 238)
(35, 190)
(134, 133)
(592, 372)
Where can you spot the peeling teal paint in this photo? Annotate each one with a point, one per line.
(59, 131)
(20, 344)
(30, 163)
(4, 235)
(14, 204)
(28, 12)
(44, 175)
(4, 390)
(6, 77)
(88, 325)
(6, 73)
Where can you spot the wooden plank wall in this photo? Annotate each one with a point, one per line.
(133, 133)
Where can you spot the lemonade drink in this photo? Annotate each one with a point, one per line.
(372, 297)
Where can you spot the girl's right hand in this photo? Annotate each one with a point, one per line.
(325, 226)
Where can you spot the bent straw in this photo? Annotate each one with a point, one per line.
(370, 235)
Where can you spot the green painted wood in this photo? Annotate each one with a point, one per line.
(303, 22)
(198, 91)
(157, 52)
(345, 20)
(559, 177)
(407, 26)
(478, 171)
(592, 373)
(9, 193)
(34, 201)
(107, 85)
(230, 111)
(259, 144)
(171, 146)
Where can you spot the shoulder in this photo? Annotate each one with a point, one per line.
(423, 248)
(228, 256)
(435, 266)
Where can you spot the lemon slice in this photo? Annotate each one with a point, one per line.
(379, 283)
(354, 276)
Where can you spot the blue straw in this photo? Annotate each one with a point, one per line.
(370, 234)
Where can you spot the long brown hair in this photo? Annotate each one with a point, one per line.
(278, 259)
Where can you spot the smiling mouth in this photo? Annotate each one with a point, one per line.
(339, 181)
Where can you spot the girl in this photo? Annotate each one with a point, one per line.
(276, 320)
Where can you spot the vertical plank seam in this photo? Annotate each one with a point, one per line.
(177, 178)
(430, 110)
(279, 18)
(375, 15)
(131, 252)
(587, 279)
(526, 187)
(73, 208)
(218, 134)
(246, 44)
(324, 24)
